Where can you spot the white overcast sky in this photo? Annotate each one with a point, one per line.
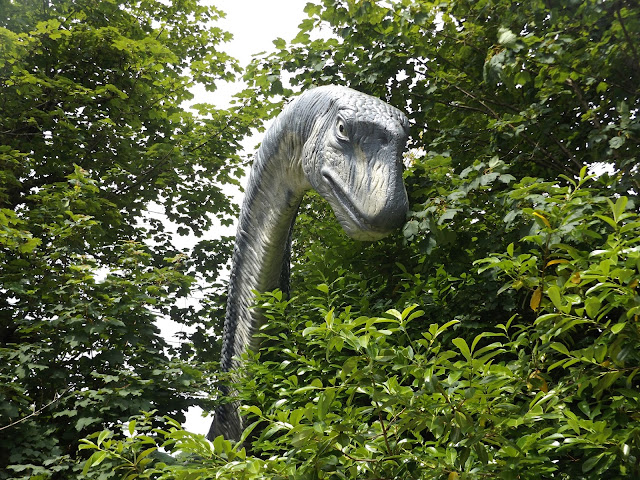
(254, 25)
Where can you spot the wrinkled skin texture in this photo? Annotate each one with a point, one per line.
(348, 147)
(356, 167)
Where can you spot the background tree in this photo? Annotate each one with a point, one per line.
(93, 129)
(520, 360)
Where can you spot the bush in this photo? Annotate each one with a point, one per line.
(549, 391)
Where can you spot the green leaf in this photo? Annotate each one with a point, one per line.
(592, 306)
(616, 142)
(30, 245)
(86, 421)
(590, 463)
(348, 367)
(608, 220)
(545, 317)
(506, 37)
(619, 207)
(253, 409)
(306, 388)
(102, 436)
(553, 293)
(463, 347)
(219, 444)
(324, 402)
(93, 461)
(617, 328)
(443, 328)
(560, 348)
(146, 452)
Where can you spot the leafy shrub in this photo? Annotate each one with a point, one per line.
(549, 391)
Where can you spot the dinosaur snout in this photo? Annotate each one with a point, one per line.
(393, 214)
(369, 212)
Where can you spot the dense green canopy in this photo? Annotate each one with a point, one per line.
(495, 336)
(92, 129)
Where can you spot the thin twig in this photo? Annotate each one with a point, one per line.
(578, 91)
(636, 57)
(37, 412)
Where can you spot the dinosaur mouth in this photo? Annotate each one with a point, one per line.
(357, 226)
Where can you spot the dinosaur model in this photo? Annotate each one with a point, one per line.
(348, 147)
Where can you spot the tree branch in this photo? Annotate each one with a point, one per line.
(37, 412)
(634, 52)
(578, 91)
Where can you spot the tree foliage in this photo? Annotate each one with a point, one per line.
(532, 82)
(337, 394)
(93, 134)
(497, 335)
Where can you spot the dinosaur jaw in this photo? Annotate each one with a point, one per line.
(354, 219)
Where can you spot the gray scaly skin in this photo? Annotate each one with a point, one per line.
(348, 147)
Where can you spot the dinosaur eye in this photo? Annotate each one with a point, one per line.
(342, 130)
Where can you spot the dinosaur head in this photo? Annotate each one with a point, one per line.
(353, 159)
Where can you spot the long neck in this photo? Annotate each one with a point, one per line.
(274, 191)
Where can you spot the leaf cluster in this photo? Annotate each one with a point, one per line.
(549, 390)
(101, 166)
(496, 335)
